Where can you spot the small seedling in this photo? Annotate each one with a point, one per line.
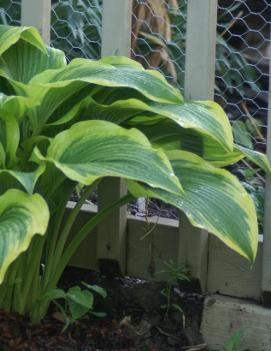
(233, 344)
(175, 273)
(77, 302)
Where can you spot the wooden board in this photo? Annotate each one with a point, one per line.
(150, 244)
(116, 40)
(199, 85)
(223, 316)
(37, 13)
(230, 274)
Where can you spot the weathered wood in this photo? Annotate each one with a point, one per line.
(85, 256)
(230, 274)
(193, 250)
(111, 241)
(199, 84)
(150, 244)
(223, 316)
(266, 277)
(37, 13)
(116, 40)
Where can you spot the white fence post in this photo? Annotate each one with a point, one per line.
(111, 240)
(199, 85)
(266, 276)
(37, 13)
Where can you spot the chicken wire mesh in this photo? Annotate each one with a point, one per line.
(158, 41)
(242, 78)
(242, 66)
(10, 12)
(76, 27)
(158, 36)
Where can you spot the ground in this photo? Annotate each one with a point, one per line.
(134, 320)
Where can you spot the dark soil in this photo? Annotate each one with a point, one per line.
(134, 321)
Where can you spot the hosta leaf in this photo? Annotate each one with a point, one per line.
(122, 61)
(2, 156)
(21, 217)
(15, 105)
(9, 136)
(206, 117)
(148, 83)
(54, 88)
(213, 199)
(23, 61)
(27, 179)
(256, 157)
(171, 136)
(94, 149)
(11, 35)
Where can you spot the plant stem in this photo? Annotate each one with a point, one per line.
(39, 313)
(31, 281)
(57, 248)
(86, 229)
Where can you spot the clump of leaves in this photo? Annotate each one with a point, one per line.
(174, 273)
(65, 126)
(77, 302)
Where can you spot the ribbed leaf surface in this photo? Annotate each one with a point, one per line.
(11, 35)
(213, 199)
(21, 217)
(23, 61)
(256, 157)
(206, 117)
(149, 83)
(94, 149)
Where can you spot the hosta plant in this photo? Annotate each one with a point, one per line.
(65, 126)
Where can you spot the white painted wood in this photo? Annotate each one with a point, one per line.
(193, 250)
(223, 316)
(200, 49)
(266, 278)
(150, 244)
(37, 13)
(230, 274)
(199, 85)
(116, 40)
(116, 33)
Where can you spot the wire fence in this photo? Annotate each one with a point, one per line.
(158, 37)
(76, 27)
(10, 12)
(158, 41)
(242, 77)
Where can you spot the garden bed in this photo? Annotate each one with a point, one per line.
(134, 320)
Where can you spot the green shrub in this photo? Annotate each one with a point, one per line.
(69, 125)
